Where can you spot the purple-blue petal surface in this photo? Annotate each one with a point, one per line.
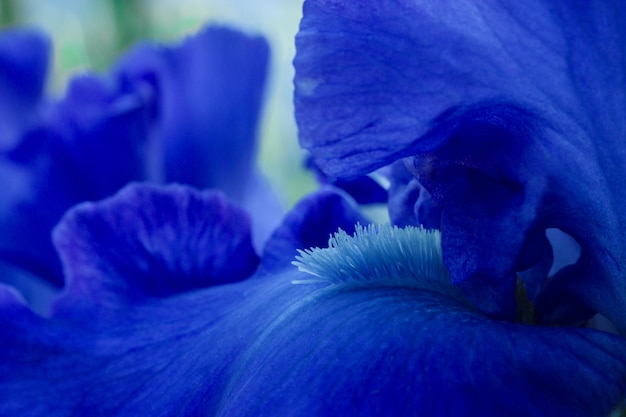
(364, 189)
(310, 224)
(136, 332)
(23, 68)
(88, 146)
(154, 312)
(209, 91)
(183, 113)
(510, 115)
(152, 242)
(395, 351)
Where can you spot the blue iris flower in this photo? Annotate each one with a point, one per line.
(499, 124)
(170, 309)
(500, 121)
(185, 113)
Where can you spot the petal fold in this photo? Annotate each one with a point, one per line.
(310, 224)
(510, 116)
(402, 352)
(151, 241)
(134, 335)
(192, 108)
(209, 92)
(88, 146)
(24, 56)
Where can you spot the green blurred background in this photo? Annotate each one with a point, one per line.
(90, 34)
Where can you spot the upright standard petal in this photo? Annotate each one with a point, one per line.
(88, 146)
(510, 115)
(209, 92)
(192, 108)
(24, 56)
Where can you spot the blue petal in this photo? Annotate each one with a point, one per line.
(143, 326)
(101, 136)
(161, 357)
(310, 224)
(24, 58)
(509, 115)
(88, 146)
(39, 293)
(101, 123)
(129, 336)
(209, 92)
(152, 242)
(364, 189)
(409, 202)
(265, 347)
(394, 351)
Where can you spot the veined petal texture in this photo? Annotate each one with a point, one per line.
(509, 114)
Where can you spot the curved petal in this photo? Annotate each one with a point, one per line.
(394, 351)
(209, 92)
(174, 240)
(310, 224)
(103, 123)
(264, 346)
(409, 202)
(90, 144)
(373, 79)
(364, 190)
(162, 357)
(101, 136)
(144, 326)
(24, 56)
(510, 115)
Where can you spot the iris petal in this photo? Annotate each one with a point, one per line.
(151, 320)
(23, 68)
(135, 331)
(101, 136)
(63, 159)
(262, 346)
(393, 351)
(310, 224)
(209, 91)
(174, 239)
(509, 115)
(364, 189)
(67, 159)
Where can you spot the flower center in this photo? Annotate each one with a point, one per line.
(380, 254)
(390, 256)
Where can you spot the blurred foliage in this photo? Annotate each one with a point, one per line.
(90, 34)
(7, 12)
